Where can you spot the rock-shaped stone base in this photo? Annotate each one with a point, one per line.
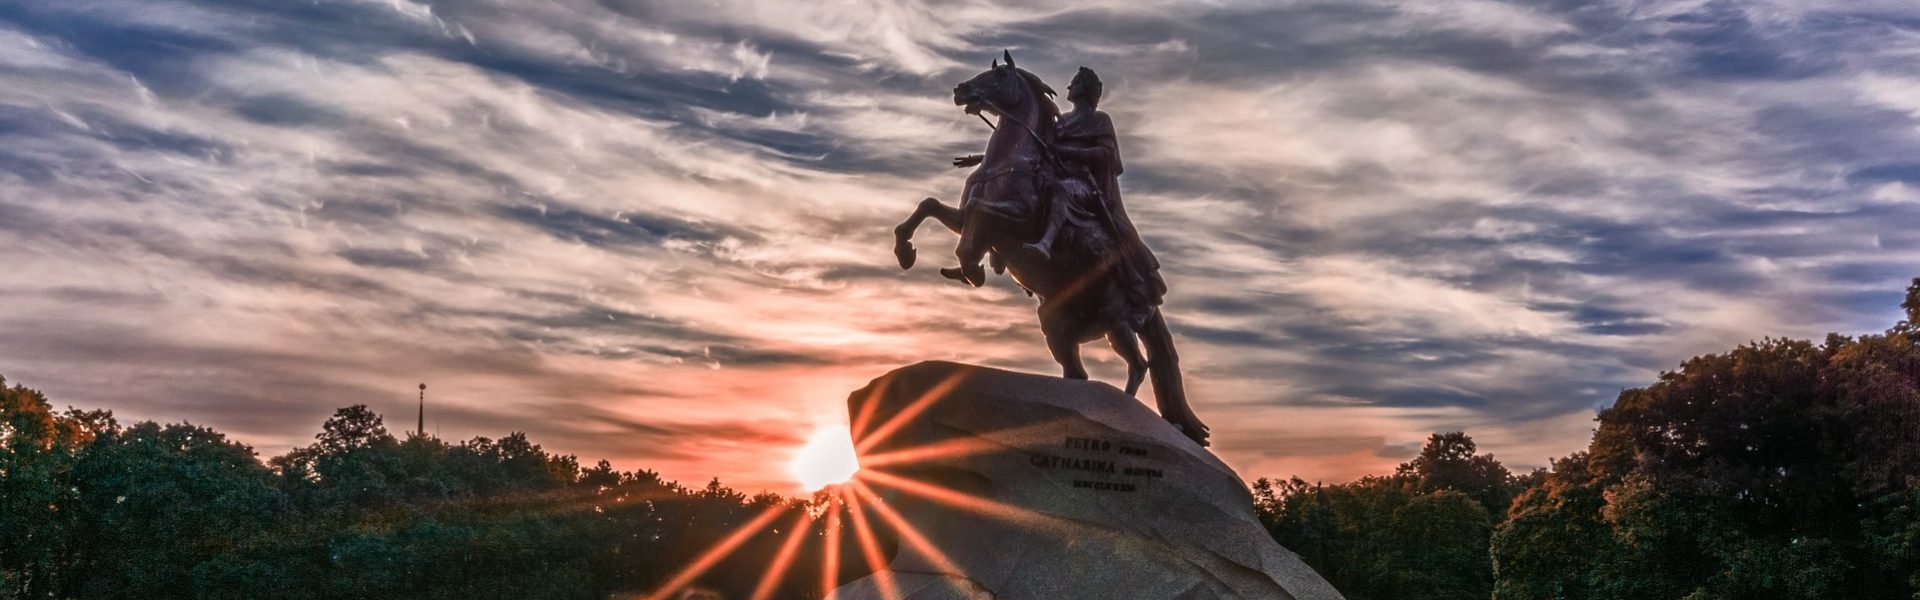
(1055, 489)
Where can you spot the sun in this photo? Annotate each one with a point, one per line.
(826, 459)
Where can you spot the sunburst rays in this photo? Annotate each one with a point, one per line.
(865, 440)
(949, 497)
(908, 533)
(777, 571)
(717, 553)
(830, 560)
(870, 547)
(857, 507)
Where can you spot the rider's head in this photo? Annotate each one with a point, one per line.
(1085, 87)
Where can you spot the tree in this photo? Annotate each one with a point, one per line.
(1912, 306)
(1437, 547)
(38, 451)
(157, 501)
(1553, 535)
(1448, 462)
(1780, 469)
(1382, 537)
(351, 429)
(354, 463)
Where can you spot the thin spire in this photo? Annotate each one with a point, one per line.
(421, 427)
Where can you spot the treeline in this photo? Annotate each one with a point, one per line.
(93, 509)
(1782, 469)
(1420, 532)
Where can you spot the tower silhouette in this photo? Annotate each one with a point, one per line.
(421, 427)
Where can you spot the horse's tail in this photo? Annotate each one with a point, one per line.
(1163, 367)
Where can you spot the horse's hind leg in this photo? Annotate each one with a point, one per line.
(903, 234)
(1127, 345)
(1066, 351)
(972, 249)
(1163, 365)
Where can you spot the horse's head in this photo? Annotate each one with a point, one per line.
(1003, 88)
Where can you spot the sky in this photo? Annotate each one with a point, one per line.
(658, 232)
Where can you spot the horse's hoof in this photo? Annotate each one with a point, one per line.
(904, 251)
(975, 274)
(1200, 438)
(953, 273)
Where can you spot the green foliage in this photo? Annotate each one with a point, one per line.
(91, 510)
(1780, 469)
(1912, 305)
(1422, 532)
(1448, 462)
(1552, 529)
(156, 501)
(38, 503)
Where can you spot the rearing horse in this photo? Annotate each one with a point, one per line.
(1081, 298)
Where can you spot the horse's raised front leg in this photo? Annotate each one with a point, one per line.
(903, 234)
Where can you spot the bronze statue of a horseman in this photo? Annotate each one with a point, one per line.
(1044, 201)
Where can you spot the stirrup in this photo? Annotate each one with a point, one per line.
(1044, 253)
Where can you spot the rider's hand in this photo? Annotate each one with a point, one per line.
(962, 162)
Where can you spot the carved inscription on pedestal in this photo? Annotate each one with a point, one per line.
(1100, 465)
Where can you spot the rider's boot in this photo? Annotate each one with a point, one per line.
(1044, 245)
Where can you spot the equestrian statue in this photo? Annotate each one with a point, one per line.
(1044, 204)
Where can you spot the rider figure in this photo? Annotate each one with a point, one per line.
(1085, 139)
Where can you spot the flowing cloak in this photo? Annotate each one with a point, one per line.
(1086, 138)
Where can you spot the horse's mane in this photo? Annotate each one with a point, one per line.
(1042, 94)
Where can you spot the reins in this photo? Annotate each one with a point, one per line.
(1045, 148)
(1113, 228)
